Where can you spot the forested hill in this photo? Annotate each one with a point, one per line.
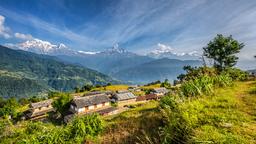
(25, 74)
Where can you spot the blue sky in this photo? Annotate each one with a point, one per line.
(137, 25)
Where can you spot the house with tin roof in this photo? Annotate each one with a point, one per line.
(124, 98)
(160, 91)
(39, 109)
(89, 104)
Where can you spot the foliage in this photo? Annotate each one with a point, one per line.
(153, 83)
(165, 84)
(195, 72)
(23, 101)
(222, 50)
(226, 117)
(32, 74)
(86, 87)
(176, 128)
(90, 125)
(35, 99)
(61, 104)
(79, 130)
(148, 90)
(199, 86)
(236, 74)
(9, 108)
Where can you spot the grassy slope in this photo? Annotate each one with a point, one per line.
(226, 117)
(229, 116)
(133, 125)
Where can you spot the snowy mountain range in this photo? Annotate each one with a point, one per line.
(118, 62)
(163, 51)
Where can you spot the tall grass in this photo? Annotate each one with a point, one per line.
(176, 127)
(79, 130)
(204, 85)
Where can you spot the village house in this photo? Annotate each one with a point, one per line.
(134, 88)
(160, 91)
(39, 109)
(148, 97)
(124, 98)
(89, 104)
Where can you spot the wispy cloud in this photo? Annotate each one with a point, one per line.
(4, 31)
(23, 36)
(139, 25)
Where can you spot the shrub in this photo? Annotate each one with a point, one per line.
(90, 125)
(197, 87)
(222, 80)
(176, 128)
(236, 74)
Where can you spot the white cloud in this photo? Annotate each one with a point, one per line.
(4, 31)
(23, 36)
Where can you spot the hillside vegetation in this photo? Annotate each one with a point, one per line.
(227, 116)
(26, 74)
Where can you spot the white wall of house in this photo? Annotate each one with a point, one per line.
(91, 107)
(81, 109)
(99, 105)
(42, 109)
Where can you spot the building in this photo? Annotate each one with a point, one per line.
(124, 98)
(39, 109)
(134, 88)
(160, 91)
(148, 97)
(87, 104)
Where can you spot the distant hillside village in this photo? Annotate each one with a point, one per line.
(104, 102)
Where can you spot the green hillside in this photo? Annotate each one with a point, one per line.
(228, 116)
(24, 74)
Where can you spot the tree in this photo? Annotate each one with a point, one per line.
(77, 89)
(165, 84)
(222, 50)
(89, 125)
(61, 104)
(9, 108)
(86, 87)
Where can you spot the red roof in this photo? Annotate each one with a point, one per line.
(151, 96)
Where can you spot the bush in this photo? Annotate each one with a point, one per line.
(197, 87)
(222, 80)
(236, 74)
(90, 125)
(176, 128)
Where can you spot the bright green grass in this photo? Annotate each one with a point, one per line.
(133, 125)
(224, 117)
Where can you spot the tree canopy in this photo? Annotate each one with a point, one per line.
(61, 104)
(222, 50)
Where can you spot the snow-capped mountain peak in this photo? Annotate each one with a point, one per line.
(44, 47)
(162, 49)
(88, 52)
(41, 45)
(116, 49)
(165, 51)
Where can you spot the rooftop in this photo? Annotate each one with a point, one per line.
(44, 103)
(90, 100)
(124, 96)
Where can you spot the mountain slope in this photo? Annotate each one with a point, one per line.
(109, 61)
(155, 70)
(24, 74)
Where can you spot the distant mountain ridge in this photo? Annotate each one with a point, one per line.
(24, 74)
(164, 51)
(159, 69)
(116, 61)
